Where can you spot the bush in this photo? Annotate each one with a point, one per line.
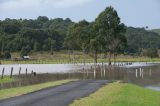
(25, 51)
(5, 55)
(151, 52)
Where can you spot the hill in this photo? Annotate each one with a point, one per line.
(139, 38)
(156, 30)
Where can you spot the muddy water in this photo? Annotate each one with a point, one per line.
(143, 74)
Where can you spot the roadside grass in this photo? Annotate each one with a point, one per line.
(12, 92)
(6, 79)
(121, 94)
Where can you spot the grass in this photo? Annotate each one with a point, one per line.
(121, 94)
(12, 92)
(63, 57)
(6, 79)
(65, 61)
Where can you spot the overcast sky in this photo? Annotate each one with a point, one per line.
(137, 13)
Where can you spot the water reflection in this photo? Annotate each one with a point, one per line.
(143, 74)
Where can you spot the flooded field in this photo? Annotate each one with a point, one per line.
(143, 74)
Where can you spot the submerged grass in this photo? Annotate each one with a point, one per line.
(6, 79)
(90, 60)
(121, 94)
(12, 92)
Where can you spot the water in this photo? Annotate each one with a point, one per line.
(40, 68)
(143, 74)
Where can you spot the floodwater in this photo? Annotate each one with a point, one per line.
(143, 74)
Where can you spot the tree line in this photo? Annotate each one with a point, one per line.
(40, 34)
(105, 35)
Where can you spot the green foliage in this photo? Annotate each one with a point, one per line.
(139, 39)
(5, 55)
(77, 35)
(156, 31)
(17, 34)
(44, 34)
(25, 51)
(151, 52)
(110, 30)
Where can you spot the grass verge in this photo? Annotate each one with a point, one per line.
(12, 92)
(6, 79)
(120, 94)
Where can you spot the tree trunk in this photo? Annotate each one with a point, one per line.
(114, 55)
(51, 50)
(95, 58)
(109, 59)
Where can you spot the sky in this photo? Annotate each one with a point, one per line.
(136, 13)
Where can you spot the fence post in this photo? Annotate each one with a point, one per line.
(32, 73)
(11, 72)
(94, 73)
(104, 72)
(26, 71)
(2, 73)
(136, 73)
(19, 71)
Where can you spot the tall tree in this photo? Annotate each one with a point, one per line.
(108, 28)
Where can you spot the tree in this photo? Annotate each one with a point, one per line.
(82, 36)
(151, 52)
(43, 19)
(7, 55)
(108, 28)
(52, 44)
(37, 46)
(25, 51)
(94, 48)
(76, 35)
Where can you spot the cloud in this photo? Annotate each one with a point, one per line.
(69, 3)
(12, 4)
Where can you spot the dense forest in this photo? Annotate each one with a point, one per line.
(139, 39)
(40, 34)
(44, 34)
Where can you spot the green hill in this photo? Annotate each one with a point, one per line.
(156, 30)
(139, 38)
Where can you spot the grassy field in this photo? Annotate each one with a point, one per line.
(12, 92)
(120, 94)
(6, 79)
(64, 58)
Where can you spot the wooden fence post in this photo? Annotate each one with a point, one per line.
(2, 73)
(136, 73)
(11, 72)
(19, 71)
(32, 73)
(26, 71)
